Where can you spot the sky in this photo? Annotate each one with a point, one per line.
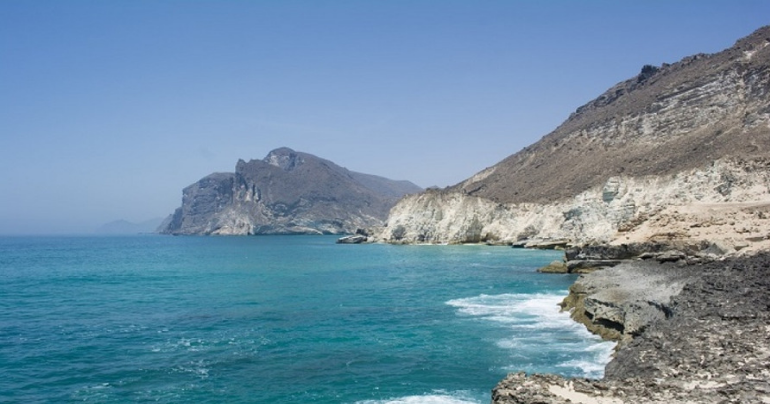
(108, 109)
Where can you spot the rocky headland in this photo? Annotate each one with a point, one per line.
(659, 193)
(677, 154)
(287, 192)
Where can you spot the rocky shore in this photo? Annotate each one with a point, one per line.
(689, 333)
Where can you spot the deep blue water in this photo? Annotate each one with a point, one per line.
(277, 319)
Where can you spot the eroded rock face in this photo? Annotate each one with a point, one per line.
(287, 192)
(618, 303)
(589, 218)
(713, 347)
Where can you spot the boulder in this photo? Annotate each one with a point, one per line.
(555, 267)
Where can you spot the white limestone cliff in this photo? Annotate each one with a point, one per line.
(613, 213)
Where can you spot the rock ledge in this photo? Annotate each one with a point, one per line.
(710, 343)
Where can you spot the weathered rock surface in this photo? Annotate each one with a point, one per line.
(555, 267)
(287, 192)
(619, 302)
(684, 208)
(687, 141)
(710, 344)
(585, 266)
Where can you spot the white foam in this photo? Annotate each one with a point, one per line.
(600, 355)
(536, 310)
(535, 319)
(588, 368)
(437, 397)
(197, 368)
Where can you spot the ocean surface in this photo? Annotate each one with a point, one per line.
(277, 319)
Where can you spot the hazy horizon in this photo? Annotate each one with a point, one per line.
(109, 109)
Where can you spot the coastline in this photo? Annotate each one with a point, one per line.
(694, 332)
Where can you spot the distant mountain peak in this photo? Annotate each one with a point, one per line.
(284, 158)
(287, 192)
(122, 226)
(755, 41)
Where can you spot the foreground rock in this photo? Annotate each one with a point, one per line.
(589, 258)
(620, 302)
(709, 344)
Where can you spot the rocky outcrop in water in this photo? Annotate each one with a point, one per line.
(687, 141)
(618, 303)
(287, 192)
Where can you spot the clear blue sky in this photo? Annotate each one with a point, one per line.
(109, 108)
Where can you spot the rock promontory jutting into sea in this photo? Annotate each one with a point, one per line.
(665, 178)
(287, 192)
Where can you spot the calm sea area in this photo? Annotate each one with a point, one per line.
(277, 319)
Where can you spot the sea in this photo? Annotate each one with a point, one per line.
(277, 319)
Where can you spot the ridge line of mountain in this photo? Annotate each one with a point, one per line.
(287, 192)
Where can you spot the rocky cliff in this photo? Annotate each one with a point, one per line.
(287, 192)
(701, 335)
(694, 134)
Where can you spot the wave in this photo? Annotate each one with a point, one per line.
(539, 330)
(436, 397)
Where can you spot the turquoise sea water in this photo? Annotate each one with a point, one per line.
(277, 319)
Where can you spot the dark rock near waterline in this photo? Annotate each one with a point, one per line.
(614, 252)
(357, 239)
(584, 266)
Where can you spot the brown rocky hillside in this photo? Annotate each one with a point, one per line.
(665, 120)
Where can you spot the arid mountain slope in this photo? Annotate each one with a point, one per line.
(287, 192)
(696, 131)
(665, 120)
